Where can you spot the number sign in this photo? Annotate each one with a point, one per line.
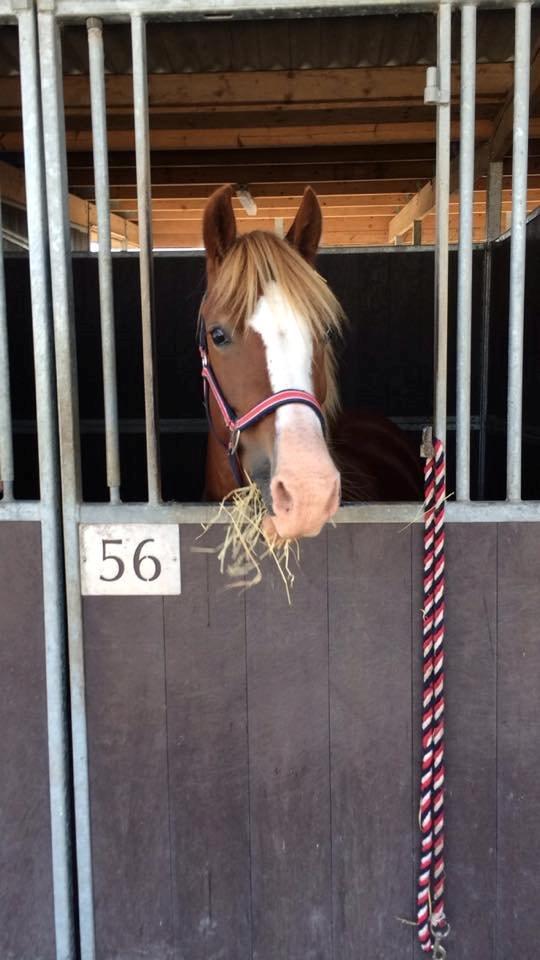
(130, 559)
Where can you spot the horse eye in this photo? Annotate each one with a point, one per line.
(219, 336)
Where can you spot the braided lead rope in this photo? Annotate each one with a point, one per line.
(431, 920)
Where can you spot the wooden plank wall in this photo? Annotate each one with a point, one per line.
(254, 768)
(26, 907)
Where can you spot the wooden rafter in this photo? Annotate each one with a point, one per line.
(82, 213)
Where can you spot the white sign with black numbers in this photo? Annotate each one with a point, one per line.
(130, 559)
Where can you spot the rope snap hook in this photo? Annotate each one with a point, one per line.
(439, 952)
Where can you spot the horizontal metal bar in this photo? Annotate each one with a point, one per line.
(20, 510)
(240, 9)
(179, 425)
(406, 513)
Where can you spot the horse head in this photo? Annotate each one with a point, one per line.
(265, 336)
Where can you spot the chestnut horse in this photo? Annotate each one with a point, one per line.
(267, 326)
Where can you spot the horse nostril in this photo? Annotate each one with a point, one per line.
(281, 498)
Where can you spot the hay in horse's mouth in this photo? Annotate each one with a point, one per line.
(247, 544)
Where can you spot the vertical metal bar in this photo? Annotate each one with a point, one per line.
(494, 199)
(493, 230)
(101, 179)
(522, 61)
(49, 483)
(6, 437)
(144, 206)
(464, 298)
(442, 198)
(68, 418)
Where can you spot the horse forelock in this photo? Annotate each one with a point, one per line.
(254, 263)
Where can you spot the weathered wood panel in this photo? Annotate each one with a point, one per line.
(518, 737)
(254, 769)
(26, 906)
(287, 664)
(370, 709)
(125, 684)
(471, 759)
(208, 760)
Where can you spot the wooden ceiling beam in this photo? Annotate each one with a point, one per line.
(82, 213)
(267, 87)
(327, 188)
(178, 179)
(346, 205)
(261, 137)
(285, 156)
(298, 173)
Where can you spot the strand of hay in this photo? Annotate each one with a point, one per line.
(246, 546)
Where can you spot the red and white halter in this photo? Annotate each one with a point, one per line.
(236, 425)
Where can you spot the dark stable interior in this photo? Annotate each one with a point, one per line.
(386, 361)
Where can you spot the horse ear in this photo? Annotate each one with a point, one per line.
(219, 226)
(305, 233)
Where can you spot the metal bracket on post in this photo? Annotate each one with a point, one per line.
(427, 451)
(432, 92)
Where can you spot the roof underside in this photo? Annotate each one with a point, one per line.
(274, 105)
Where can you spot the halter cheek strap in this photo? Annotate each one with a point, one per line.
(236, 425)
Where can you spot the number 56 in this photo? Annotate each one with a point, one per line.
(138, 560)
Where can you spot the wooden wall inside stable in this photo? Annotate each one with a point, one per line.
(26, 906)
(254, 767)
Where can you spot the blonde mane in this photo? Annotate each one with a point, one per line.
(255, 261)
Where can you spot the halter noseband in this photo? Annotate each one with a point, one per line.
(236, 425)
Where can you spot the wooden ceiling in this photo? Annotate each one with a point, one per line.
(359, 134)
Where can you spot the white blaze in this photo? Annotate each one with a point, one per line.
(289, 353)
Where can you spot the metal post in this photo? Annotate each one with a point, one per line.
(464, 299)
(68, 418)
(101, 179)
(49, 484)
(494, 199)
(6, 438)
(442, 198)
(144, 206)
(522, 60)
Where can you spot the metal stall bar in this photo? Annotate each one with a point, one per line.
(144, 209)
(101, 180)
(464, 301)
(522, 63)
(6, 437)
(68, 419)
(442, 206)
(49, 484)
